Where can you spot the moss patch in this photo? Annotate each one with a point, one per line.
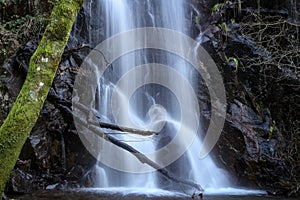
(42, 69)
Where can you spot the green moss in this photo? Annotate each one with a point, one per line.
(42, 69)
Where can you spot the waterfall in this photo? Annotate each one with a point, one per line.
(151, 106)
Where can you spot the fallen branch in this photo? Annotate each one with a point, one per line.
(140, 156)
(90, 120)
(123, 128)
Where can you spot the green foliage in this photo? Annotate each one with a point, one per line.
(18, 30)
(16, 22)
(223, 27)
(232, 61)
(272, 128)
(3, 51)
(3, 2)
(217, 7)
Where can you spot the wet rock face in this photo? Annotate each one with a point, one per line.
(261, 134)
(255, 140)
(258, 139)
(53, 156)
(12, 76)
(258, 144)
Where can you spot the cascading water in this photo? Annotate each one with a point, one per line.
(152, 106)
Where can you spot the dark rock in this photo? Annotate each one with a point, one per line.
(53, 156)
(12, 76)
(260, 138)
(22, 181)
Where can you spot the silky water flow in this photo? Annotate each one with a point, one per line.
(151, 106)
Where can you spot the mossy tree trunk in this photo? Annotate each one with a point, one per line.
(42, 69)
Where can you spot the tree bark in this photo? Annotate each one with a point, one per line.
(42, 70)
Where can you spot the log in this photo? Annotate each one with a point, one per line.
(124, 129)
(115, 127)
(61, 103)
(140, 156)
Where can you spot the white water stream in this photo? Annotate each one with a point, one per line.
(151, 106)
